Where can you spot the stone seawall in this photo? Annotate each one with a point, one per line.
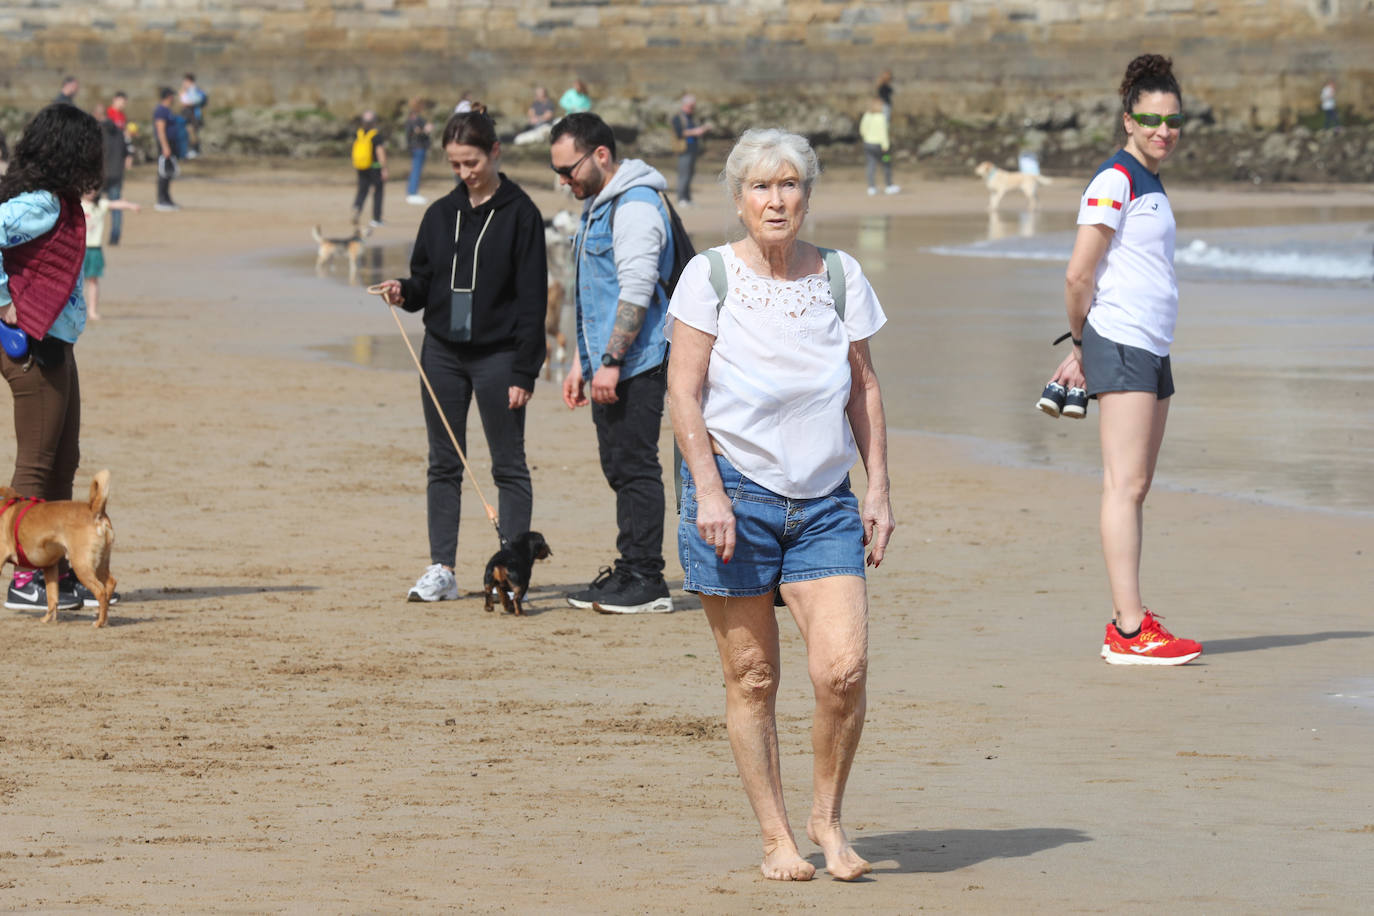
(1252, 62)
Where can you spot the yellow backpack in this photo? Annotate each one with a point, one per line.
(362, 148)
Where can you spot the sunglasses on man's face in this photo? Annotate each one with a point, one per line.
(1146, 119)
(567, 170)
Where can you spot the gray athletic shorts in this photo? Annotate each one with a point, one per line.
(1111, 366)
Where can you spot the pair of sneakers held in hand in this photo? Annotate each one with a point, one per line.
(1057, 400)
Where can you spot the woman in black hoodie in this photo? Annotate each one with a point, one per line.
(478, 272)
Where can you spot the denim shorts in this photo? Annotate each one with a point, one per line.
(1110, 366)
(776, 539)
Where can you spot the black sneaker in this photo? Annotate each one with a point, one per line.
(34, 595)
(587, 596)
(1052, 401)
(631, 593)
(85, 594)
(1076, 403)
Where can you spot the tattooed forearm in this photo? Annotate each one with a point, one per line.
(628, 320)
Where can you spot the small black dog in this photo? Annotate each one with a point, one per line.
(508, 571)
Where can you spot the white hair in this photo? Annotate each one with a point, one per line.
(766, 151)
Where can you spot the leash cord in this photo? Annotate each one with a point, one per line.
(439, 408)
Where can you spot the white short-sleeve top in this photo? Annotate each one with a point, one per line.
(1135, 294)
(777, 384)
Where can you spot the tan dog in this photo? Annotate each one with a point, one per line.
(352, 247)
(39, 534)
(999, 182)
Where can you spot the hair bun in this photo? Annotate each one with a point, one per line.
(479, 108)
(1148, 73)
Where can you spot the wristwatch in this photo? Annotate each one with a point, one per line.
(609, 360)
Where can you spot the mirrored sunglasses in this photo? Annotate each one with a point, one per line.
(1146, 119)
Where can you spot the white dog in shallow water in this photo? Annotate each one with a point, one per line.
(1000, 181)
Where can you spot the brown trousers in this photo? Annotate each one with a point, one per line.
(47, 425)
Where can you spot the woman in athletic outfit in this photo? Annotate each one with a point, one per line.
(1122, 301)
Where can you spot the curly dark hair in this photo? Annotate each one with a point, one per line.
(1148, 73)
(60, 151)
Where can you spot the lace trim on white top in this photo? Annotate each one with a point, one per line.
(794, 310)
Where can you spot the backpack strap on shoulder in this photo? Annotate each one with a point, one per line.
(719, 281)
(834, 272)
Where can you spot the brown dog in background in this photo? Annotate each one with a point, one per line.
(42, 533)
(508, 572)
(352, 247)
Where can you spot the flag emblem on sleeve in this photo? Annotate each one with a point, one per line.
(1104, 202)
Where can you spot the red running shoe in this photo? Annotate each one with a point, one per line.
(1153, 645)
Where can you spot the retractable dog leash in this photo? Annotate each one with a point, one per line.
(439, 408)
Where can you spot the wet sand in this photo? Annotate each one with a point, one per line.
(268, 726)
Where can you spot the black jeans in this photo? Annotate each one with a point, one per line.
(456, 380)
(164, 183)
(369, 179)
(627, 434)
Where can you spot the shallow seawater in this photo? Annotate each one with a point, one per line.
(1275, 371)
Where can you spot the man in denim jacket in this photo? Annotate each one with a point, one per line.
(623, 247)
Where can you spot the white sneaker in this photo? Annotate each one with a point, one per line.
(418, 199)
(376, 223)
(437, 584)
(872, 191)
(892, 189)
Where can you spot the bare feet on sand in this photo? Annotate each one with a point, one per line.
(782, 862)
(840, 858)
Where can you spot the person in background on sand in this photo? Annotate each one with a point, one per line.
(541, 108)
(56, 162)
(689, 143)
(193, 100)
(117, 110)
(575, 99)
(1331, 120)
(623, 254)
(96, 207)
(538, 119)
(766, 501)
(67, 95)
(877, 147)
(884, 93)
(417, 128)
(369, 161)
(167, 168)
(118, 157)
(4, 153)
(478, 273)
(1122, 301)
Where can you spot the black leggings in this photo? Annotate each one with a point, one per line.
(456, 381)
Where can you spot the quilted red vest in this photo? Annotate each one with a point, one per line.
(44, 271)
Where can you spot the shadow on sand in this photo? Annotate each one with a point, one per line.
(1255, 643)
(950, 850)
(196, 592)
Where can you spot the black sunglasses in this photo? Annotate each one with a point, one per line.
(567, 170)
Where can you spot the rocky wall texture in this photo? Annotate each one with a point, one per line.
(1251, 62)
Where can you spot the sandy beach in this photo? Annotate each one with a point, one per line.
(267, 726)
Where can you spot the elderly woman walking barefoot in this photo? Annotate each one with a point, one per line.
(773, 396)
